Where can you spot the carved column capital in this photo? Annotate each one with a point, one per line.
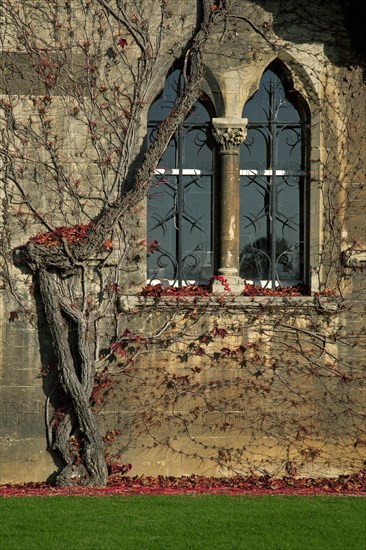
(229, 133)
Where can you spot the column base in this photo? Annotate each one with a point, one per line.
(234, 283)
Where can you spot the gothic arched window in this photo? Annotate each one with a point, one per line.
(180, 198)
(273, 187)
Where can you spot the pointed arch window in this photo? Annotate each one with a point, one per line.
(274, 186)
(180, 213)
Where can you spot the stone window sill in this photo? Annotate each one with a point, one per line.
(220, 301)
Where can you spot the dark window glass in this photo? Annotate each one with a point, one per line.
(273, 186)
(180, 198)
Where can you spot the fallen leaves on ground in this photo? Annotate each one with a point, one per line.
(120, 484)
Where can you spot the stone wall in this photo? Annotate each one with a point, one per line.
(220, 386)
(292, 400)
(23, 453)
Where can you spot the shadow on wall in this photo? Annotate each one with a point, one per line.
(305, 22)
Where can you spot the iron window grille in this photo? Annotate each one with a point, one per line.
(180, 213)
(273, 225)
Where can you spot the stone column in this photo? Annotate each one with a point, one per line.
(229, 134)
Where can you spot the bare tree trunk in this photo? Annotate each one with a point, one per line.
(78, 390)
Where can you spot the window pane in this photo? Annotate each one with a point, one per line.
(197, 151)
(180, 204)
(288, 149)
(253, 154)
(272, 198)
(197, 228)
(254, 228)
(198, 114)
(257, 231)
(161, 227)
(161, 108)
(288, 229)
(270, 102)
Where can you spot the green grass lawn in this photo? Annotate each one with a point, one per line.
(183, 522)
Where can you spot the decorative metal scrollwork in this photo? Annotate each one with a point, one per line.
(180, 199)
(273, 187)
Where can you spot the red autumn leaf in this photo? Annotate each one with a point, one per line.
(205, 339)
(118, 348)
(152, 246)
(47, 63)
(13, 316)
(225, 352)
(76, 233)
(108, 245)
(219, 332)
(122, 42)
(196, 370)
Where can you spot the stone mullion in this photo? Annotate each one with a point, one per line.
(229, 134)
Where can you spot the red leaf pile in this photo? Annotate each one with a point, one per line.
(158, 290)
(76, 233)
(190, 290)
(119, 484)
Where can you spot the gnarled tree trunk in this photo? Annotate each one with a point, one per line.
(77, 377)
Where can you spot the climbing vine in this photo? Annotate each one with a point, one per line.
(177, 363)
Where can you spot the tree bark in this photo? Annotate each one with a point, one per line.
(79, 394)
